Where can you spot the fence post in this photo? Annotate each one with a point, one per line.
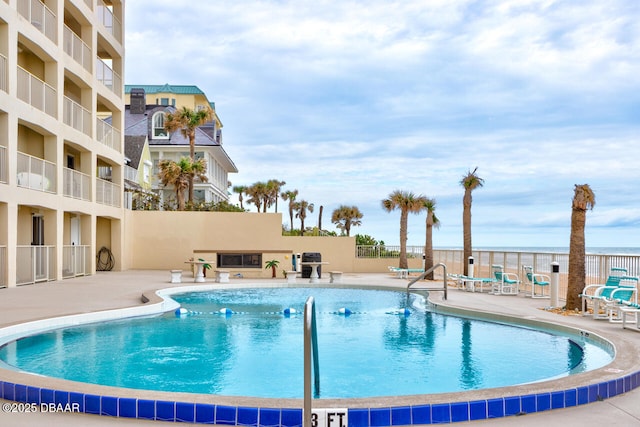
(555, 280)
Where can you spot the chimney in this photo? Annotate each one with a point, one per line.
(138, 101)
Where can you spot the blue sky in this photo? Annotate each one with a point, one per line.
(348, 101)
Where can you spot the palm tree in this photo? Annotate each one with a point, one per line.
(583, 199)
(302, 207)
(406, 202)
(273, 192)
(177, 174)
(470, 182)
(344, 217)
(432, 221)
(291, 197)
(240, 189)
(186, 121)
(256, 193)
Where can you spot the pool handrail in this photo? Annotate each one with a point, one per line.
(310, 353)
(423, 275)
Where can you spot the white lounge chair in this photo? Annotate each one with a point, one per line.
(534, 280)
(506, 283)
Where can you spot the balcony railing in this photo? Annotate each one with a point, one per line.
(110, 22)
(76, 116)
(3, 266)
(108, 193)
(40, 17)
(76, 261)
(77, 49)
(3, 164)
(107, 134)
(108, 77)
(130, 174)
(37, 93)
(3, 73)
(76, 184)
(35, 264)
(36, 173)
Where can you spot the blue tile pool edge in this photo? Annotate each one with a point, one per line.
(24, 398)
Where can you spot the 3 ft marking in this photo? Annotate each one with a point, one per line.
(333, 417)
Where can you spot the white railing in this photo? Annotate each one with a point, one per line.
(597, 266)
(76, 116)
(3, 266)
(40, 17)
(34, 264)
(75, 261)
(77, 49)
(108, 193)
(76, 184)
(3, 73)
(3, 164)
(35, 92)
(108, 77)
(130, 174)
(110, 22)
(36, 173)
(107, 134)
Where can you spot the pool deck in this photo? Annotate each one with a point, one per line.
(111, 290)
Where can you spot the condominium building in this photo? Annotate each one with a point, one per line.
(61, 138)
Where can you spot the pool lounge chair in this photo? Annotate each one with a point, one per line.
(542, 281)
(595, 292)
(505, 283)
(624, 294)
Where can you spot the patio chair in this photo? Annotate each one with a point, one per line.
(506, 283)
(624, 294)
(532, 279)
(595, 292)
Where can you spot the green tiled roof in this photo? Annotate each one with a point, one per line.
(166, 88)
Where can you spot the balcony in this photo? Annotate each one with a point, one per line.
(76, 116)
(36, 174)
(130, 174)
(77, 49)
(108, 77)
(76, 261)
(35, 264)
(110, 22)
(3, 164)
(40, 17)
(76, 184)
(107, 135)
(36, 93)
(108, 193)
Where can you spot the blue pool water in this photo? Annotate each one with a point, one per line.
(258, 351)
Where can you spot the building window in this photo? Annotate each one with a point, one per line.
(158, 126)
(164, 101)
(147, 171)
(239, 260)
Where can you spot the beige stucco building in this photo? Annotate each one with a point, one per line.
(61, 163)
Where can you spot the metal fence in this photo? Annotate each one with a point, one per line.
(597, 266)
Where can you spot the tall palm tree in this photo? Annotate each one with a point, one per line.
(186, 121)
(431, 222)
(291, 197)
(273, 192)
(240, 190)
(344, 217)
(406, 202)
(583, 199)
(301, 208)
(256, 193)
(470, 182)
(177, 174)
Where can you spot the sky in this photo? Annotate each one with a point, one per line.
(347, 101)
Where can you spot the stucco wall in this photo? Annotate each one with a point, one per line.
(165, 240)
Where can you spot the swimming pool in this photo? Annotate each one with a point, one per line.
(240, 342)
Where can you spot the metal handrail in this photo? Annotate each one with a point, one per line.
(423, 275)
(310, 353)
